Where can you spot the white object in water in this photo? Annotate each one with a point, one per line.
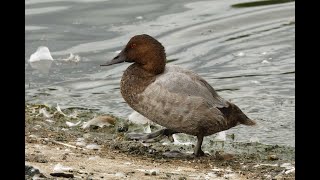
(72, 58)
(139, 17)
(265, 62)
(41, 60)
(255, 82)
(240, 54)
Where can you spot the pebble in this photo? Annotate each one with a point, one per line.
(100, 121)
(65, 175)
(273, 157)
(30, 171)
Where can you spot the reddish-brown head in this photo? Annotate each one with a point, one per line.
(144, 50)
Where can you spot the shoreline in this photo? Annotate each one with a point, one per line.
(105, 153)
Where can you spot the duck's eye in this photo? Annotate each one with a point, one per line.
(133, 45)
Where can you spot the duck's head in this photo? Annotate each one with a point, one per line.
(145, 51)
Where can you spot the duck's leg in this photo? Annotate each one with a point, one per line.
(152, 137)
(197, 150)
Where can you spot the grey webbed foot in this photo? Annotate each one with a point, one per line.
(152, 137)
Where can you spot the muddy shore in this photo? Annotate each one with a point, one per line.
(56, 146)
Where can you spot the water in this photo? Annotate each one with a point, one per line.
(246, 53)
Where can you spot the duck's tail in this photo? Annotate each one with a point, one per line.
(247, 121)
(242, 118)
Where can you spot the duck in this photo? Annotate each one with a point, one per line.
(176, 98)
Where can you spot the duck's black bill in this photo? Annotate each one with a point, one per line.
(116, 60)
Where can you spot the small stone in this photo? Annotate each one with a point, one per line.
(223, 156)
(93, 146)
(81, 172)
(123, 128)
(121, 175)
(278, 177)
(290, 171)
(37, 158)
(100, 121)
(66, 175)
(153, 173)
(86, 136)
(273, 157)
(182, 178)
(81, 144)
(31, 171)
(151, 151)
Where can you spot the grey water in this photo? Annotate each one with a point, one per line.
(247, 53)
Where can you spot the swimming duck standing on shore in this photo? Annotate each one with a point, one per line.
(173, 97)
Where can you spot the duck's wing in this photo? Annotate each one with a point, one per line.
(182, 101)
(182, 81)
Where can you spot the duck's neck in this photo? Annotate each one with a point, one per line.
(154, 60)
(154, 65)
(134, 81)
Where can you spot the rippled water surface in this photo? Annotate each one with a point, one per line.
(246, 53)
